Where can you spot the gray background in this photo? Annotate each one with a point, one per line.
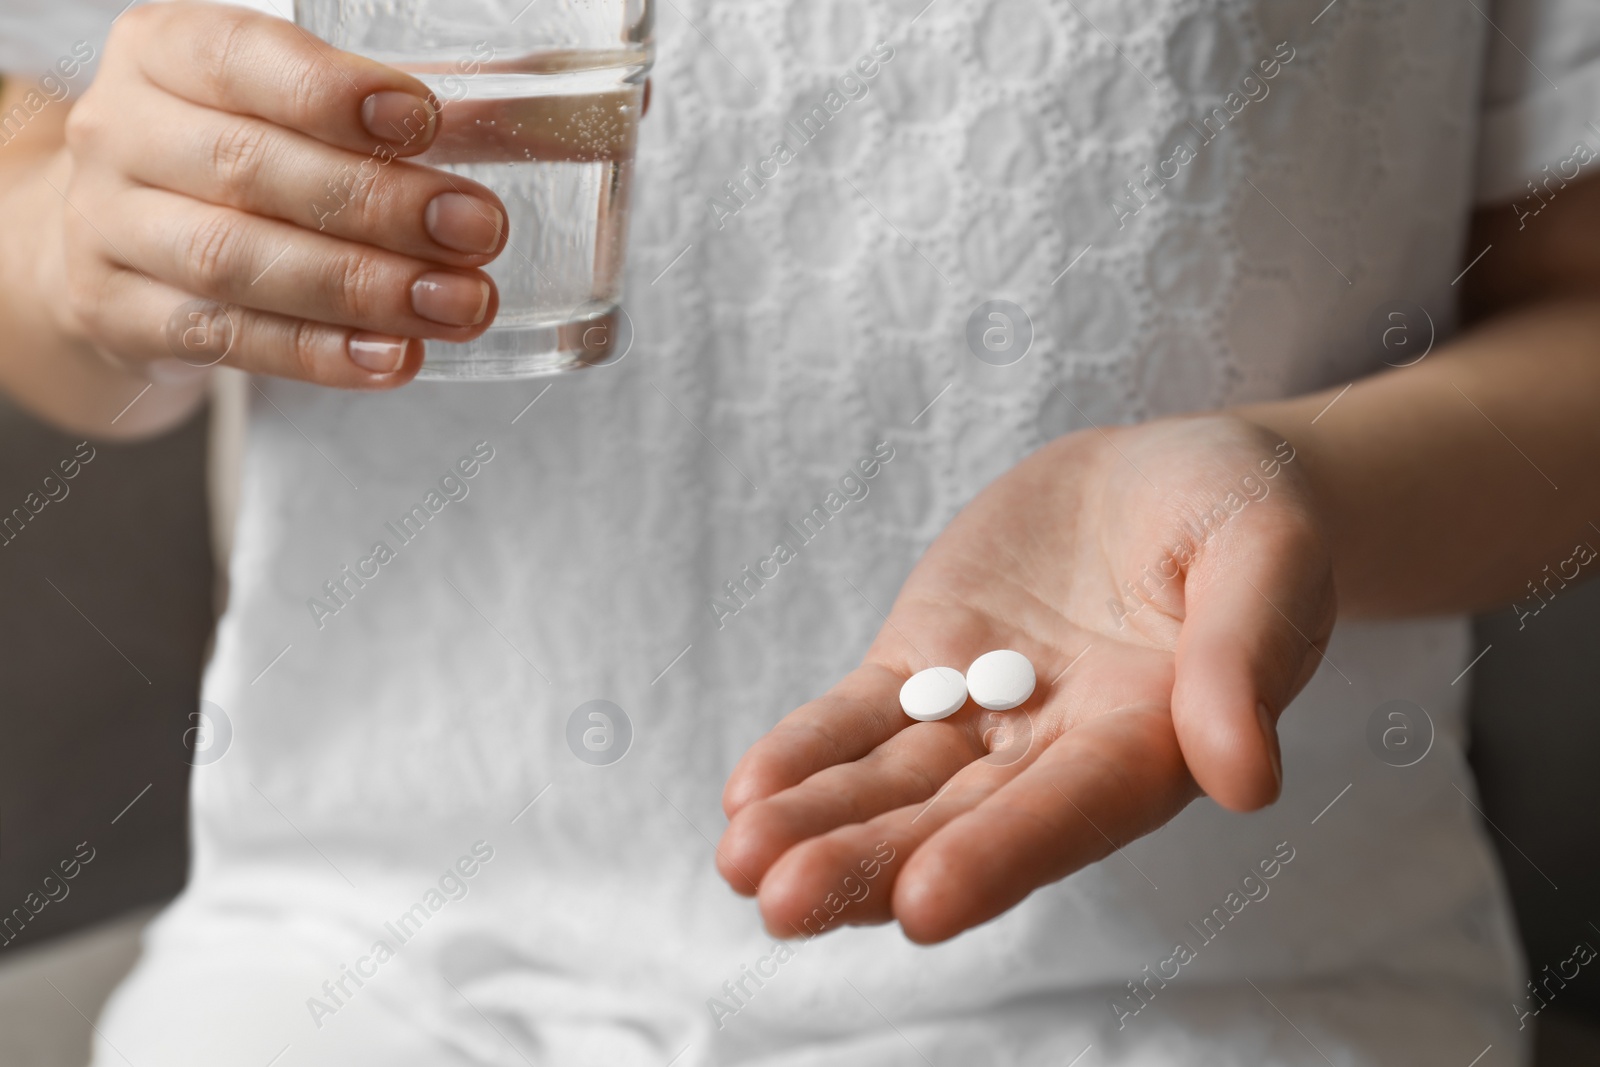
(82, 729)
(96, 694)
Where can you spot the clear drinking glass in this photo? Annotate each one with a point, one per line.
(540, 102)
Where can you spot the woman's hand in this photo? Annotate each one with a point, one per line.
(1171, 588)
(225, 162)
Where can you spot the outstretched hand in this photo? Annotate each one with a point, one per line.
(1171, 588)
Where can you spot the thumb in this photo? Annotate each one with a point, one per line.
(1258, 610)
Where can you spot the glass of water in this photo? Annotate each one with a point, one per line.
(541, 103)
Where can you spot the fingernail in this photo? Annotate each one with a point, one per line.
(450, 299)
(464, 223)
(377, 353)
(398, 118)
(1269, 734)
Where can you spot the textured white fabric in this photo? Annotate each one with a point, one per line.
(34, 34)
(772, 354)
(1541, 92)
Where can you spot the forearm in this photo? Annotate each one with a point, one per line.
(45, 365)
(1468, 480)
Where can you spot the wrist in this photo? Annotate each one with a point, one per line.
(1331, 489)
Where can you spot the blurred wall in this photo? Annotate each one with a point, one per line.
(1536, 750)
(105, 610)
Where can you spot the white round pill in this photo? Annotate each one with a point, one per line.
(933, 694)
(1000, 680)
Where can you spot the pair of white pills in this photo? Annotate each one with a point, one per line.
(998, 681)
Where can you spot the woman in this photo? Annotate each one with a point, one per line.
(409, 853)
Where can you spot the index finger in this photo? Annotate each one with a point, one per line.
(1104, 783)
(852, 719)
(254, 64)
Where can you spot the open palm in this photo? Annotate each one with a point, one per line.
(1170, 587)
